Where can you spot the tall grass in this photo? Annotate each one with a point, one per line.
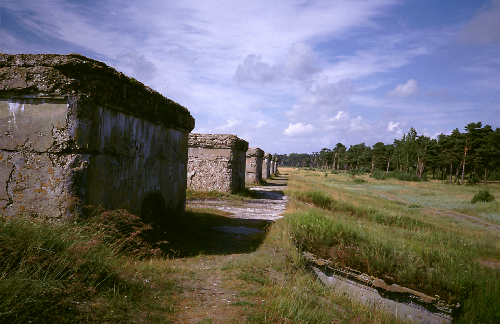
(400, 245)
(322, 200)
(62, 273)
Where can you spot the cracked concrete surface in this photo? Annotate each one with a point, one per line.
(75, 130)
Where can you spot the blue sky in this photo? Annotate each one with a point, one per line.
(288, 76)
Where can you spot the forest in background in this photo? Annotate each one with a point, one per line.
(473, 154)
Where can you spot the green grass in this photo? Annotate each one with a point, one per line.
(356, 227)
(68, 273)
(278, 288)
(322, 200)
(99, 271)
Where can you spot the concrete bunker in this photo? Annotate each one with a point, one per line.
(266, 166)
(75, 130)
(216, 162)
(254, 158)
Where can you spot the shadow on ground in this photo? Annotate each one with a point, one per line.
(275, 184)
(208, 232)
(273, 195)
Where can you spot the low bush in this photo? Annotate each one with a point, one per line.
(378, 175)
(472, 181)
(494, 176)
(358, 180)
(482, 195)
(406, 176)
(360, 171)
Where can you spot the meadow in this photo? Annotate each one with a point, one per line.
(102, 270)
(384, 228)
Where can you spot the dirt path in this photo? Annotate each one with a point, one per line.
(210, 291)
(218, 288)
(207, 291)
(432, 211)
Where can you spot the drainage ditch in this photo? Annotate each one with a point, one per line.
(405, 303)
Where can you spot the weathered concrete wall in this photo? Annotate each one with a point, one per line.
(276, 163)
(266, 166)
(216, 162)
(72, 127)
(254, 165)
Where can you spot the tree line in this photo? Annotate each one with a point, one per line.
(473, 154)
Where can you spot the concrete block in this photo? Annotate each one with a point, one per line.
(254, 158)
(75, 130)
(216, 162)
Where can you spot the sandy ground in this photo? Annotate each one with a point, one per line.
(270, 205)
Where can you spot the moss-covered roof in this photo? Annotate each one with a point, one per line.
(78, 77)
(217, 141)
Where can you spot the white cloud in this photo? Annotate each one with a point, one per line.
(484, 28)
(368, 62)
(320, 98)
(261, 124)
(230, 125)
(340, 115)
(254, 70)
(301, 64)
(408, 89)
(391, 126)
(299, 129)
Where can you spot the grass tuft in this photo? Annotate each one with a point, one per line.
(66, 273)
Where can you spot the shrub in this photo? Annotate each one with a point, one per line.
(361, 170)
(378, 175)
(404, 176)
(358, 180)
(482, 195)
(472, 181)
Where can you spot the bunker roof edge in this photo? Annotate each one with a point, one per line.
(217, 141)
(76, 76)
